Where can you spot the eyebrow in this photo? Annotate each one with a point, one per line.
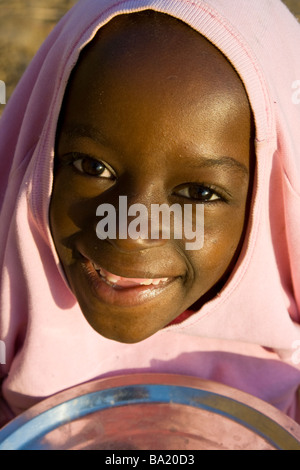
(80, 130)
(203, 161)
(223, 161)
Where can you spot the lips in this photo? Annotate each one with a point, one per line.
(115, 280)
(113, 289)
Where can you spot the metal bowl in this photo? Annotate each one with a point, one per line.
(151, 412)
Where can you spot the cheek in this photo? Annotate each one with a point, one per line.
(61, 223)
(221, 241)
(72, 208)
(66, 217)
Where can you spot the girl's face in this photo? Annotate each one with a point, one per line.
(155, 113)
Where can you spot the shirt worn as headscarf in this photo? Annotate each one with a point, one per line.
(246, 337)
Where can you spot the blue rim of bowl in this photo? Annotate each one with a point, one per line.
(24, 435)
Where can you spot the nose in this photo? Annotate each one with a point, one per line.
(130, 245)
(129, 225)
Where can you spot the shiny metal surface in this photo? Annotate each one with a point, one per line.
(154, 412)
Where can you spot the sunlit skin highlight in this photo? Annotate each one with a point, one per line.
(156, 113)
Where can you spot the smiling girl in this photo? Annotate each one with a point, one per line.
(139, 119)
(163, 103)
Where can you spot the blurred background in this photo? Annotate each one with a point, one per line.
(25, 24)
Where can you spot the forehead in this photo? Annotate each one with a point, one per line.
(157, 47)
(151, 71)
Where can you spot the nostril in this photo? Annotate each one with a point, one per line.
(135, 245)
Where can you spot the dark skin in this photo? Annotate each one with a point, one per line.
(154, 112)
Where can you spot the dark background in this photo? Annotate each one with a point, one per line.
(25, 24)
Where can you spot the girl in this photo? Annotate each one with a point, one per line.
(163, 102)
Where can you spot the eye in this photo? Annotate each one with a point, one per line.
(200, 193)
(92, 167)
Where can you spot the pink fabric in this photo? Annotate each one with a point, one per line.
(245, 337)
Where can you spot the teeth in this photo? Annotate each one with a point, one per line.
(113, 279)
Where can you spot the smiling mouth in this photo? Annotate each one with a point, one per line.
(120, 282)
(120, 291)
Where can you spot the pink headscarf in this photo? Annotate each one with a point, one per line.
(246, 336)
